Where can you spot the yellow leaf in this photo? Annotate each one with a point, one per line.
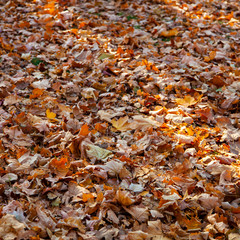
(50, 115)
(186, 101)
(121, 124)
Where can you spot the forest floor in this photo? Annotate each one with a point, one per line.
(119, 119)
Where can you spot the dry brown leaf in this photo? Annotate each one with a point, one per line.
(10, 228)
(140, 213)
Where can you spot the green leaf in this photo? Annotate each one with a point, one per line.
(130, 17)
(35, 61)
(120, 13)
(135, 89)
(56, 202)
(166, 39)
(105, 55)
(137, 27)
(219, 89)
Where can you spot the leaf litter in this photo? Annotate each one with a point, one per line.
(119, 119)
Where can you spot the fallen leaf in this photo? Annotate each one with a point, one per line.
(96, 153)
(50, 115)
(12, 99)
(186, 101)
(105, 55)
(170, 33)
(122, 124)
(140, 213)
(10, 228)
(137, 235)
(84, 130)
(124, 198)
(113, 167)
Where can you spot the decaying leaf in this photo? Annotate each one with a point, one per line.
(119, 120)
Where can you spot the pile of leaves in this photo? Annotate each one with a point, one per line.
(119, 119)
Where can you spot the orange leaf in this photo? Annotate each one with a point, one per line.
(50, 7)
(124, 198)
(192, 224)
(61, 163)
(23, 24)
(61, 166)
(50, 115)
(84, 130)
(87, 196)
(105, 187)
(101, 127)
(170, 33)
(100, 197)
(36, 93)
(154, 68)
(212, 55)
(207, 59)
(74, 31)
(82, 24)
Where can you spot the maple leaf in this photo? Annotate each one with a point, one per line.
(192, 224)
(122, 124)
(61, 166)
(186, 101)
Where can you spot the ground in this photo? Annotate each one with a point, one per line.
(119, 119)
